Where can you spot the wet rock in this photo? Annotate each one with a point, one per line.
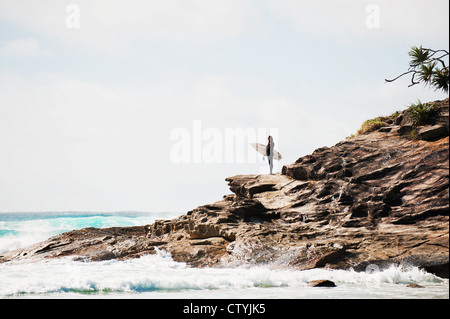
(321, 283)
(415, 286)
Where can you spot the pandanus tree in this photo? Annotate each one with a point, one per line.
(429, 67)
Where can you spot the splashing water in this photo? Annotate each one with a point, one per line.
(159, 276)
(18, 230)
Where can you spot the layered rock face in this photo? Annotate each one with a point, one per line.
(373, 199)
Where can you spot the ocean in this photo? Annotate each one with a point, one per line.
(160, 277)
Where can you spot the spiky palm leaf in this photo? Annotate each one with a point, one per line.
(419, 113)
(426, 72)
(440, 80)
(418, 56)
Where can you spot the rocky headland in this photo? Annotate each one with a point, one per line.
(376, 199)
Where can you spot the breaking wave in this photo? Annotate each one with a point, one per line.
(158, 274)
(18, 230)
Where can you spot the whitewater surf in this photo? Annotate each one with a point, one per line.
(159, 276)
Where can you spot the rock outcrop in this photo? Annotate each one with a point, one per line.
(321, 283)
(380, 198)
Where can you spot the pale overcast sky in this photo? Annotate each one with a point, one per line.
(91, 91)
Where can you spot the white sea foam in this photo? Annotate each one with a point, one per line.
(160, 276)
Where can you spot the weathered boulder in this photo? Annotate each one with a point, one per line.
(414, 286)
(321, 283)
(433, 132)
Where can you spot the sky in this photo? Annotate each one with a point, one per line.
(147, 105)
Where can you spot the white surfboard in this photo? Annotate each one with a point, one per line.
(261, 148)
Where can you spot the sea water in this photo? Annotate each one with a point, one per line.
(159, 276)
(19, 230)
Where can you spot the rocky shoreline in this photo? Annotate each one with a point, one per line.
(375, 199)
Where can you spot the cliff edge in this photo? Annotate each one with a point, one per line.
(378, 198)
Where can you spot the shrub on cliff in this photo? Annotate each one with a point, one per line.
(419, 113)
(371, 125)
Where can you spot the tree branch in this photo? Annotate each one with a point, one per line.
(439, 59)
(400, 76)
(412, 80)
(436, 51)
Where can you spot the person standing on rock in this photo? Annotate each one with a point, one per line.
(268, 150)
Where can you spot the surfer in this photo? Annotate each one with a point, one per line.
(269, 152)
